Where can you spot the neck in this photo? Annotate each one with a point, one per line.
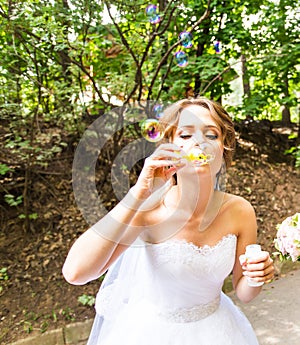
(196, 198)
(195, 193)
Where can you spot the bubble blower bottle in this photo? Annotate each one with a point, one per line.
(252, 251)
(200, 155)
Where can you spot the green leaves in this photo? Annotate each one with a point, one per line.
(295, 151)
(4, 169)
(87, 300)
(69, 50)
(12, 200)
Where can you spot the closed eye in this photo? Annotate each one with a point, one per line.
(185, 136)
(212, 136)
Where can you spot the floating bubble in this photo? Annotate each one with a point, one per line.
(186, 39)
(151, 13)
(217, 46)
(151, 10)
(158, 110)
(151, 130)
(155, 19)
(181, 58)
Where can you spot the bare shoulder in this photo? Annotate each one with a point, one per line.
(238, 204)
(240, 213)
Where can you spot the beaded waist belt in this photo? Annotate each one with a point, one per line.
(192, 314)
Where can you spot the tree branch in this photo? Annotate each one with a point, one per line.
(152, 38)
(218, 76)
(162, 61)
(123, 39)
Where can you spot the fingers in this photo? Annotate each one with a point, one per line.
(243, 259)
(261, 257)
(167, 152)
(253, 271)
(261, 268)
(167, 156)
(158, 169)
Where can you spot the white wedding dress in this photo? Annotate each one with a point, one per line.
(170, 294)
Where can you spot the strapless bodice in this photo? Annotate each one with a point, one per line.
(185, 275)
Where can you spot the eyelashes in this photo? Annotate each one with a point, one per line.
(211, 136)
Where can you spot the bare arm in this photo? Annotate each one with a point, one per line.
(96, 249)
(89, 255)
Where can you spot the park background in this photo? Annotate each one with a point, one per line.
(65, 64)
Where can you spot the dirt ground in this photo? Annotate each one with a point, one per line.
(33, 293)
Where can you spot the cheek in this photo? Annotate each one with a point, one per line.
(217, 162)
(179, 142)
(176, 141)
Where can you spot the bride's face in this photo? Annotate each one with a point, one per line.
(197, 130)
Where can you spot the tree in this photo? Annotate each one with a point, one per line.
(63, 65)
(274, 63)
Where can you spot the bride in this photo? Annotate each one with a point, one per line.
(172, 240)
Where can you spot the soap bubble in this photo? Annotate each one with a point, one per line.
(186, 39)
(154, 18)
(158, 110)
(151, 130)
(181, 58)
(151, 10)
(217, 46)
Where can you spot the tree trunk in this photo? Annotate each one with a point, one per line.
(286, 113)
(200, 50)
(245, 76)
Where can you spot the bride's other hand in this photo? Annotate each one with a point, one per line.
(260, 268)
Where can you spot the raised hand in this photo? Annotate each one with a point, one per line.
(155, 178)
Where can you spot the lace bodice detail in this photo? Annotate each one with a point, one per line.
(187, 253)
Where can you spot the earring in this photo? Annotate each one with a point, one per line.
(220, 183)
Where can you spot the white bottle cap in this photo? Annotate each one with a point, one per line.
(252, 249)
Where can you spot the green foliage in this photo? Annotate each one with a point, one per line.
(30, 216)
(4, 273)
(87, 300)
(4, 169)
(27, 326)
(68, 314)
(12, 200)
(273, 62)
(295, 151)
(35, 321)
(62, 60)
(63, 64)
(3, 276)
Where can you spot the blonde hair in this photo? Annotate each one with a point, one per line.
(170, 119)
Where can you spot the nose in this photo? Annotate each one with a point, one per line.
(199, 138)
